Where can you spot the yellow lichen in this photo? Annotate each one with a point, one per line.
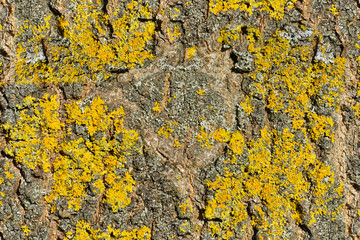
(157, 107)
(89, 54)
(85, 231)
(275, 178)
(40, 140)
(278, 171)
(186, 206)
(174, 12)
(320, 126)
(333, 10)
(275, 8)
(190, 52)
(174, 33)
(2, 180)
(222, 135)
(299, 86)
(26, 230)
(275, 101)
(356, 109)
(237, 143)
(229, 34)
(246, 105)
(176, 143)
(205, 138)
(185, 227)
(166, 130)
(200, 92)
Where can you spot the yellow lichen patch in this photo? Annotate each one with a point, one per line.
(185, 227)
(40, 140)
(8, 174)
(2, 194)
(174, 33)
(190, 52)
(275, 8)
(356, 109)
(85, 231)
(174, 12)
(229, 34)
(156, 107)
(166, 130)
(185, 206)
(89, 54)
(275, 101)
(176, 143)
(94, 117)
(117, 195)
(26, 146)
(246, 105)
(222, 135)
(279, 179)
(201, 92)
(278, 64)
(206, 139)
(217, 6)
(26, 230)
(5, 177)
(279, 171)
(333, 10)
(320, 126)
(237, 143)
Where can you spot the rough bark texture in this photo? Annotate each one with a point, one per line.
(240, 119)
